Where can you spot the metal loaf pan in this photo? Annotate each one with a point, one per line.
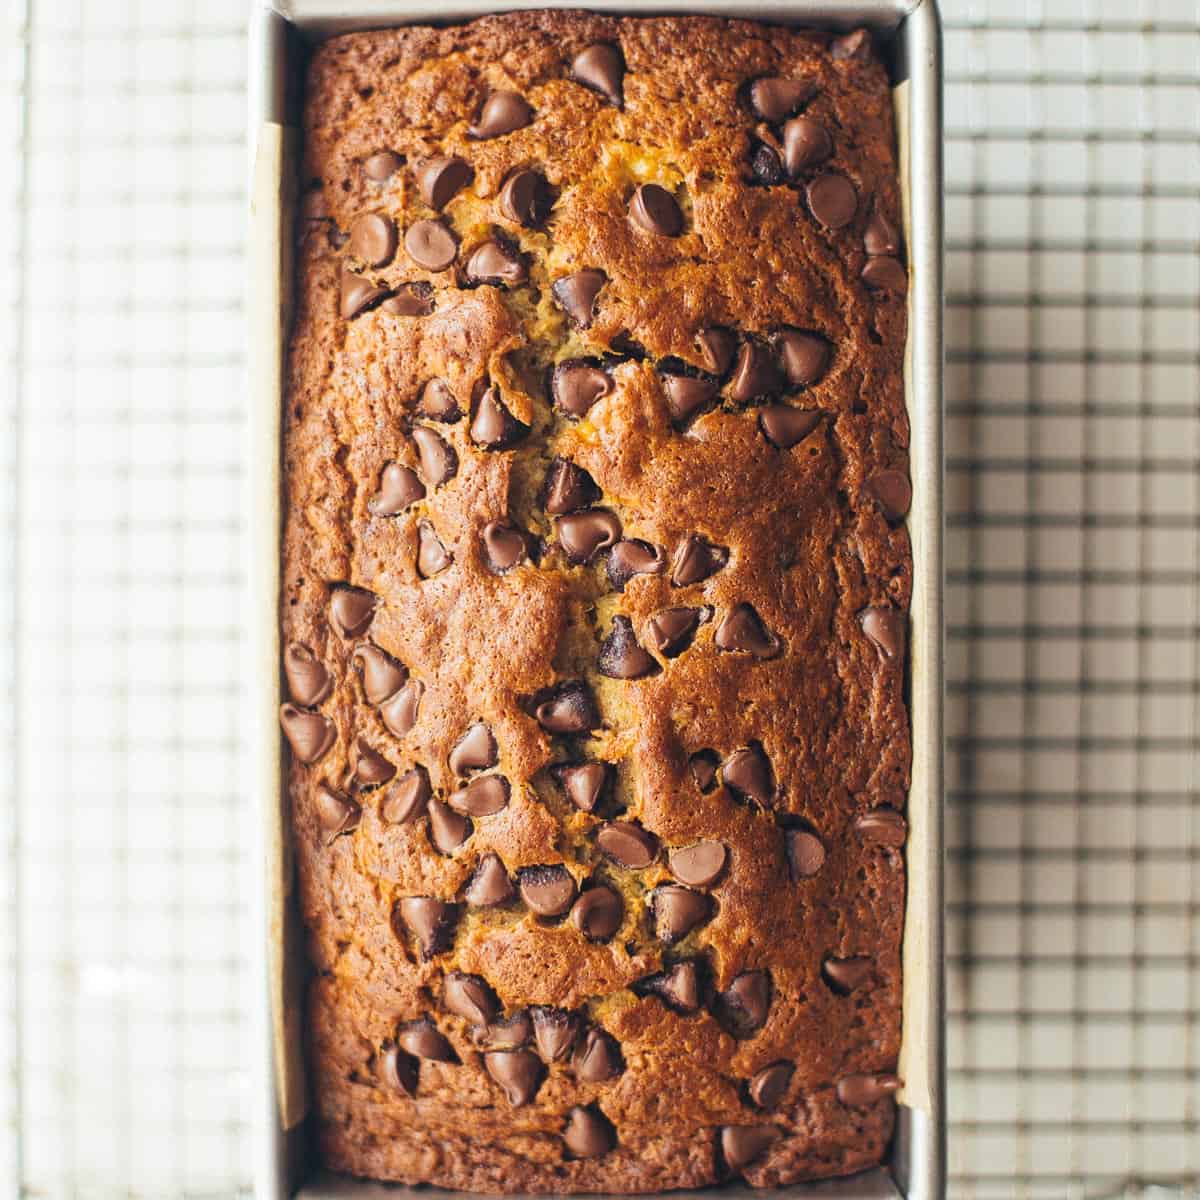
(909, 33)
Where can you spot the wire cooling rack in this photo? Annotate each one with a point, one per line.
(1073, 166)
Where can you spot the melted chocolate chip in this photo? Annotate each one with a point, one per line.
(497, 262)
(892, 491)
(747, 773)
(717, 347)
(504, 545)
(357, 294)
(601, 68)
(785, 427)
(742, 1145)
(677, 911)
(883, 825)
(492, 425)
(437, 402)
(430, 244)
(742, 631)
(627, 844)
(448, 830)
(370, 767)
(576, 295)
(857, 1091)
(381, 166)
(476, 750)
(671, 630)
(423, 1039)
(407, 798)
(509, 1034)
(567, 707)
(687, 397)
(525, 198)
(555, 1032)
(438, 460)
(774, 99)
(373, 239)
(382, 675)
(338, 814)
(806, 143)
(880, 235)
(568, 488)
(598, 1058)
(548, 891)
(490, 884)
(845, 975)
(502, 112)
(805, 853)
(432, 556)
(583, 783)
(440, 179)
(769, 1086)
(743, 1007)
(398, 1071)
(482, 797)
(655, 210)
(885, 274)
(621, 656)
(577, 384)
(631, 557)
(680, 987)
(399, 488)
(518, 1072)
(400, 712)
(598, 913)
(351, 610)
(703, 766)
(755, 375)
(805, 356)
(469, 997)
(308, 681)
(765, 164)
(832, 200)
(699, 865)
(430, 921)
(696, 559)
(588, 1133)
(410, 300)
(310, 734)
(886, 628)
(585, 534)
(855, 45)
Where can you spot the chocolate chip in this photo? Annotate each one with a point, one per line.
(699, 865)
(769, 1086)
(742, 1145)
(631, 557)
(492, 425)
(765, 164)
(555, 1032)
(432, 556)
(509, 1034)
(357, 294)
(892, 491)
(880, 235)
(696, 559)
(399, 487)
(755, 374)
(785, 427)
(497, 262)
(742, 631)
(805, 143)
(844, 975)
(422, 1039)
(502, 112)
(525, 198)
(679, 987)
(437, 402)
(476, 750)
(703, 766)
(832, 200)
(583, 783)
(883, 825)
(438, 460)
(407, 798)
(370, 767)
(687, 397)
(774, 99)
(308, 681)
(490, 884)
(621, 657)
(656, 210)
(430, 921)
(382, 166)
(568, 488)
(857, 1091)
(440, 179)
(627, 844)
(601, 68)
(576, 385)
(518, 1072)
(382, 675)
(886, 628)
(743, 1007)
(398, 1071)
(337, 814)
(469, 997)
(410, 300)
(576, 295)
(448, 830)
(373, 239)
(310, 734)
(671, 630)
(717, 347)
(598, 1058)
(548, 891)
(805, 853)
(351, 610)
(504, 545)
(598, 913)
(885, 274)
(588, 1134)
(431, 245)
(747, 772)
(805, 356)
(677, 911)
(482, 797)
(584, 535)
(567, 707)
(853, 45)
(400, 712)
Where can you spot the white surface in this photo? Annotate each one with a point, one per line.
(1076, 962)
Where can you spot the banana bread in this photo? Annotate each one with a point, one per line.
(595, 583)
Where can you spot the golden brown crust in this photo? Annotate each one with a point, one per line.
(810, 548)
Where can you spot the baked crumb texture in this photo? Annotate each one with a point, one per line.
(594, 603)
